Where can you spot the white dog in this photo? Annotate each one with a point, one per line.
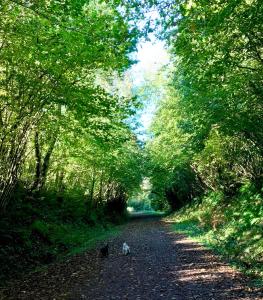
(125, 248)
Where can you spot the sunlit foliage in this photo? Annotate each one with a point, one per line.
(210, 124)
(56, 122)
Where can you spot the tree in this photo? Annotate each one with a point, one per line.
(50, 53)
(213, 119)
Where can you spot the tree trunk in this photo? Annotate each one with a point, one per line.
(42, 166)
(61, 187)
(93, 181)
(36, 182)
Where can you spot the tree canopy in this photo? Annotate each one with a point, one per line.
(55, 117)
(207, 131)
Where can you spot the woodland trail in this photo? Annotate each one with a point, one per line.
(162, 265)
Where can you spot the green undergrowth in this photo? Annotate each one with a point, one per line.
(41, 231)
(64, 240)
(233, 227)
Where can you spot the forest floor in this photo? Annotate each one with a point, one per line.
(162, 265)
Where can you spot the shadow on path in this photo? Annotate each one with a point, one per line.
(162, 265)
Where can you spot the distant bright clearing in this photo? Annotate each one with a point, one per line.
(151, 56)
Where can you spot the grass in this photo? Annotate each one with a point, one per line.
(83, 239)
(80, 238)
(38, 233)
(232, 229)
(205, 237)
(190, 228)
(64, 240)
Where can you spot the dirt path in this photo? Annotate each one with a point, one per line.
(162, 265)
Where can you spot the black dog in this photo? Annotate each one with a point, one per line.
(104, 251)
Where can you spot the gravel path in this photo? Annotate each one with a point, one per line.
(162, 265)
